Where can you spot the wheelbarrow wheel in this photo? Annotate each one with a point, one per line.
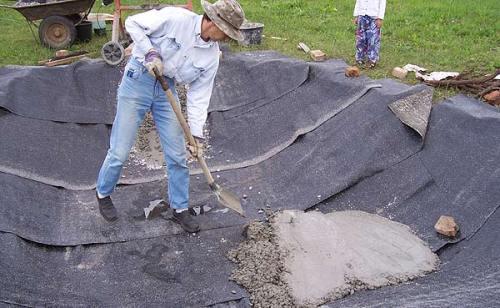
(57, 32)
(113, 53)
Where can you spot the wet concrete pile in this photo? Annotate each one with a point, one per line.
(307, 259)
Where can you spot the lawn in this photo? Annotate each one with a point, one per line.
(454, 35)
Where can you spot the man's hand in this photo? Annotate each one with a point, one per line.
(379, 22)
(196, 151)
(355, 20)
(153, 60)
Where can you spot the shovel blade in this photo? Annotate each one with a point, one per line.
(227, 199)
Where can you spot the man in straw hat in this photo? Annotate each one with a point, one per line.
(184, 46)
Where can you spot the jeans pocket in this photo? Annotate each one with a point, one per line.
(133, 71)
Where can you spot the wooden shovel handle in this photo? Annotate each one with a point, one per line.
(184, 125)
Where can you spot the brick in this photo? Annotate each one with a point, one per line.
(317, 55)
(493, 97)
(352, 71)
(446, 226)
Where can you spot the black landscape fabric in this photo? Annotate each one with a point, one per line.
(258, 133)
(243, 79)
(456, 173)
(60, 154)
(71, 217)
(295, 178)
(309, 138)
(174, 271)
(83, 92)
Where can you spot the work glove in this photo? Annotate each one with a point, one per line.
(196, 151)
(153, 60)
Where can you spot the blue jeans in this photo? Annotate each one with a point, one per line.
(137, 94)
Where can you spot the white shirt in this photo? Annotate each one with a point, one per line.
(372, 8)
(175, 33)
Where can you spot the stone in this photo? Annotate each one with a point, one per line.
(446, 226)
(399, 72)
(352, 71)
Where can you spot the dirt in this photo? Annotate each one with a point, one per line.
(307, 259)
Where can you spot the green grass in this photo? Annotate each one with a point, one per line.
(439, 35)
(454, 35)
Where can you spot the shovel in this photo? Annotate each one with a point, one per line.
(226, 198)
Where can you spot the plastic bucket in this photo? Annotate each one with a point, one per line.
(252, 33)
(84, 31)
(99, 27)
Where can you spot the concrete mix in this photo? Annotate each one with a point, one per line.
(307, 259)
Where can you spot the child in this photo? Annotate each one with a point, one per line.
(369, 15)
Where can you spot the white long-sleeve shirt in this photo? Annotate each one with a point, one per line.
(372, 8)
(175, 33)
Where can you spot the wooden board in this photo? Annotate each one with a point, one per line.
(64, 61)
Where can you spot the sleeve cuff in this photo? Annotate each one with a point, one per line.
(196, 130)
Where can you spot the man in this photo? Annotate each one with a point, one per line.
(184, 46)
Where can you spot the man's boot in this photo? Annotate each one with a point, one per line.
(107, 209)
(186, 221)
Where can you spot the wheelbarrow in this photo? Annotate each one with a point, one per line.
(59, 19)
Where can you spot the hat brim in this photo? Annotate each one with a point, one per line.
(223, 25)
